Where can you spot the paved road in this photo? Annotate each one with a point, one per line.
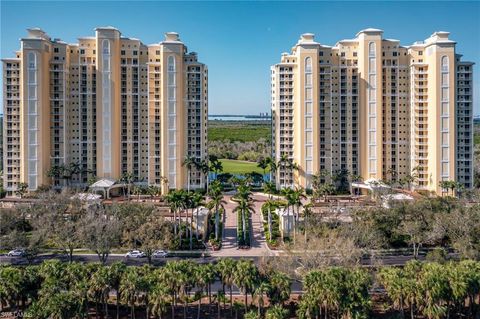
(397, 260)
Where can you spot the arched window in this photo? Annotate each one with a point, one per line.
(171, 63)
(32, 60)
(308, 64)
(445, 63)
(371, 49)
(106, 46)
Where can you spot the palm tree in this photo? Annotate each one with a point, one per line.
(280, 285)
(392, 280)
(170, 275)
(188, 204)
(100, 287)
(216, 202)
(129, 287)
(272, 166)
(296, 200)
(227, 269)
(244, 200)
(22, 189)
(245, 278)
(288, 193)
(245, 208)
(269, 206)
(55, 172)
(158, 298)
(276, 312)
(354, 178)
(307, 214)
(176, 201)
(204, 166)
(263, 163)
(189, 162)
(116, 271)
(197, 201)
(260, 293)
(201, 273)
(215, 165)
(127, 179)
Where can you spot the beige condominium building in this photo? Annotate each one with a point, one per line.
(108, 103)
(374, 108)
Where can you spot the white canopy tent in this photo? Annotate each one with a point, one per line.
(104, 186)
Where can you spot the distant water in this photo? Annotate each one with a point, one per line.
(237, 118)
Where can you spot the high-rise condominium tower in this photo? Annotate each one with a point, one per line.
(374, 108)
(109, 104)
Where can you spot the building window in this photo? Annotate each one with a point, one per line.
(371, 49)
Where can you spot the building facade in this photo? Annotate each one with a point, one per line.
(375, 109)
(106, 106)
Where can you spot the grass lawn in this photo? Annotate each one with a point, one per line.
(240, 167)
(238, 131)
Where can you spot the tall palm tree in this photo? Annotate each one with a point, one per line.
(200, 274)
(227, 269)
(100, 286)
(245, 278)
(263, 163)
(158, 298)
(307, 214)
(204, 167)
(127, 179)
(130, 287)
(272, 166)
(260, 293)
(215, 166)
(116, 271)
(269, 205)
(288, 194)
(190, 163)
(298, 195)
(197, 201)
(216, 202)
(244, 208)
(280, 285)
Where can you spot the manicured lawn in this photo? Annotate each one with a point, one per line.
(240, 167)
(238, 131)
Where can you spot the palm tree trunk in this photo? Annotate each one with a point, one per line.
(244, 228)
(270, 222)
(196, 224)
(191, 227)
(294, 225)
(216, 223)
(175, 222)
(246, 305)
(199, 305)
(231, 300)
(118, 304)
(106, 305)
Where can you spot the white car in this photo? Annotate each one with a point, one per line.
(135, 254)
(16, 253)
(159, 254)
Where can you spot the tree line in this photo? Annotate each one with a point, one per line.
(184, 289)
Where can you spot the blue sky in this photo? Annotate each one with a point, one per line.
(240, 40)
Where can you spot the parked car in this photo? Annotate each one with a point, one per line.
(160, 254)
(16, 253)
(135, 254)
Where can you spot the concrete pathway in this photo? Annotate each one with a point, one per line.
(229, 242)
